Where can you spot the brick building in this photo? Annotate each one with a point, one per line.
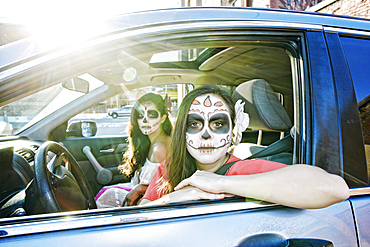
(356, 8)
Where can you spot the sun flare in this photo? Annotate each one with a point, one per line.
(69, 21)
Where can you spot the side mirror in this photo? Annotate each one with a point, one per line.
(82, 129)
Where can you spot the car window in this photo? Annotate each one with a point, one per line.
(112, 116)
(25, 112)
(268, 66)
(358, 57)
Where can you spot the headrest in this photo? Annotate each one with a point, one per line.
(263, 106)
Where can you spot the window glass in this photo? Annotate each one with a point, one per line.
(112, 116)
(97, 137)
(358, 57)
(25, 112)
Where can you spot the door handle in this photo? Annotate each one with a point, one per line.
(277, 240)
(104, 175)
(110, 150)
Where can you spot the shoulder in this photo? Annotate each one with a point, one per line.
(159, 150)
(247, 167)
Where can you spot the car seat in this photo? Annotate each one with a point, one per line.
(266, 113)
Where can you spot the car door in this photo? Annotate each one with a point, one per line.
(100, 154)
(216, 224)
(310, 96)
(356, 50)
(99, 158)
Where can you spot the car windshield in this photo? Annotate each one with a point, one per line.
(27, 111)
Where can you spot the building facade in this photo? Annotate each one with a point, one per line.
(356, 8)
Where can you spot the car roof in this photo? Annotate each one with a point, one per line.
(23, 55)
(159, 17)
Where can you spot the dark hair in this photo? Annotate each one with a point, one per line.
(181, 164)
(138, 143)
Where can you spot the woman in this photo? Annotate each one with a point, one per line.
(149, 134)
(202, 136)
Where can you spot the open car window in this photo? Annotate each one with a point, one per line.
(117, 77)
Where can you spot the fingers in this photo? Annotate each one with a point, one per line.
(131, 198)
(211, 196)
(200, 179)
(197, 194)
(190, 193)
(128, 199)
(182, 184)
(188, 181)
(124, 201)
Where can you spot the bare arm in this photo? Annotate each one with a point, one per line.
(189, 193)
(133, 197)
(300, 186)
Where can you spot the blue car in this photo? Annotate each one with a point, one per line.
(316, 67)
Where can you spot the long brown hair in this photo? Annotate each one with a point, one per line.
(181, 164)
(138, 143)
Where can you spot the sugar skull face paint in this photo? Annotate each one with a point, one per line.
(209, 129)
(149, 118)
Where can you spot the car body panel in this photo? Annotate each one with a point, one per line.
(322, 132)
(353, 153)
(361, 211)
(206, 228)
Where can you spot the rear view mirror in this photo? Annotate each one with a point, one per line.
(76, 84)
(82, 129)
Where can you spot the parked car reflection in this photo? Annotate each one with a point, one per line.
(121, 112)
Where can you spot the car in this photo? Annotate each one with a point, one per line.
(121, 112)
(307, 70)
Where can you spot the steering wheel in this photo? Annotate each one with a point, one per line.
(60, 181)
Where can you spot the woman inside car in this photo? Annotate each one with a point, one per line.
(149, 134)
(199, 148)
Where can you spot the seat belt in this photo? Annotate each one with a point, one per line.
(223, 169)
(283, 145)
(280, 146)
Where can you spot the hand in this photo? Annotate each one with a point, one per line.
(206, 181)
(134, 196)
(190, 193)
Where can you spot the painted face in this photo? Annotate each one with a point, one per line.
(149, 118)
(209, 129)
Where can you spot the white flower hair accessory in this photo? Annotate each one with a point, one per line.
(241, 122)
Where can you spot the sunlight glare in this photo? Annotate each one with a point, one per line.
(71, 21)
(64, 23)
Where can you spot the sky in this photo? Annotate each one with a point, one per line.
(23, 10)
(77, 18)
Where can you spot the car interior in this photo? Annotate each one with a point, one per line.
(54, 167)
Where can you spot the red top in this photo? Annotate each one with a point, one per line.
(242, 167)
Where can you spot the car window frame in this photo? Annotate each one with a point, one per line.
(301, 101)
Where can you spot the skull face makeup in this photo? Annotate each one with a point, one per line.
(149, 118)
(209, 129)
